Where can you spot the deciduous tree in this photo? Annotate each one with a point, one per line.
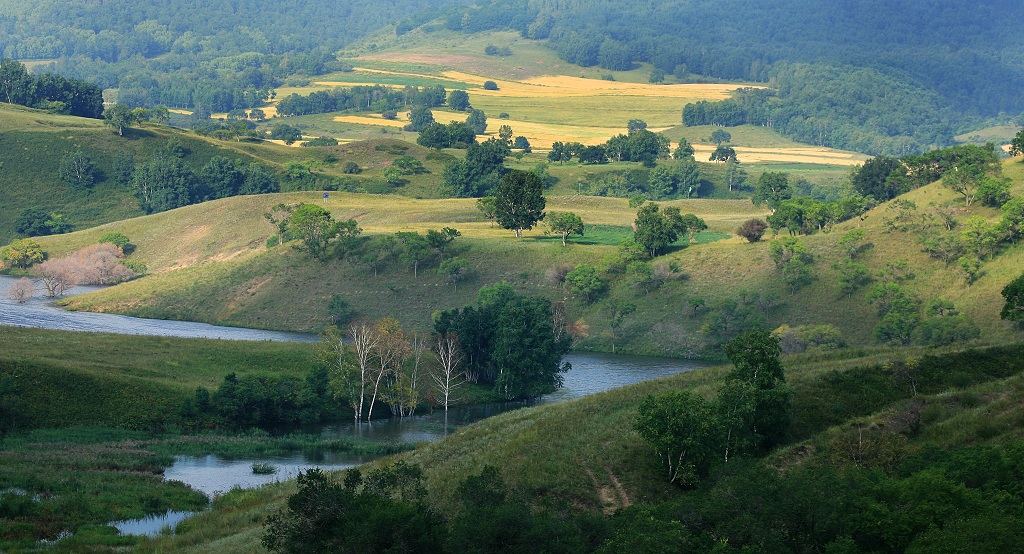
(565, 224)
(315, 227)
(519, 201)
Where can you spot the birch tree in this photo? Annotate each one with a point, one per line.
(448, 376)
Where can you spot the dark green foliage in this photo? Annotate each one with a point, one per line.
(872, 178)
(458, 100)
(639, 146)
(718, 136)
(452, 135)
(772, 189)
(723, 154)
(519, 201)
(165, 183)
(490, 85)
(321, 141)
(760, 383)
(1013, 293)
(382, 513)
(508, 340)
(36, 223)
(477, 121)
(585, 280)
(656, 230)
(77, 171)
(420, 117)
(49, 92)
(287, 133)
(119, 240)
(479, 173)
(683, 429)
(340, 310)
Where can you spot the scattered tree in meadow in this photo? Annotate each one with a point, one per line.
(458, 100)
(486, 206)
(519, 201)
(456, 270)
(719, 136)
(964, 180)
(585, 280)
(505, 134)
(723, 154)
(315, 227)
(420, 117)
(753, 229)
(477, 121)
(791, 257)
(1013, 292)
(490, 85)
(415, 249)
(758, 368)
(565, 224)
(655, 230)
(121, 116)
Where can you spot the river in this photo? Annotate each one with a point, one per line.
(591, 373)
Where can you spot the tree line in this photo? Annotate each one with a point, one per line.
(49, 92)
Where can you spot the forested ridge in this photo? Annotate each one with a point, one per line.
(841, 69)
(215, 56)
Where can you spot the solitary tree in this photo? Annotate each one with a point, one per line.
(448, 376)
(486, 207)
(477, 121)
(655, 230)
(565, 224)
(120, 116)
(315, 227)
(22, 290)
(752, 229)
(22, 253)
(1013, 292)
(458, 100)
(719, 136)
(723, 154)
(519, 202)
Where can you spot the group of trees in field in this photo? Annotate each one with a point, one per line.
(375, 98)
(751, 414)
(165, 181)
(48, 91)
(639, 145)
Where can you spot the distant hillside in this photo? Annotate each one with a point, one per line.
(947, 60)
(218, 270)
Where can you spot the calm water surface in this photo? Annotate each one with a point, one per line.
(590, 374)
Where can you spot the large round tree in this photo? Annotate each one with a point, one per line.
(519, 202)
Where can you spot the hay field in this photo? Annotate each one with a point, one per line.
(801, 155)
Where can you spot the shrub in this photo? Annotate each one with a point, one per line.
(490, 85)
(752, 229)
(351, 168)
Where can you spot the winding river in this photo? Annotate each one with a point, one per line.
(591, 373)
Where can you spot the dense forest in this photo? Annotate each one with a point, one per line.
(216, 56)
(879, 77)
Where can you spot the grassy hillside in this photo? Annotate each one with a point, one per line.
(217, 269)
(65, 379)
(584, 455)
